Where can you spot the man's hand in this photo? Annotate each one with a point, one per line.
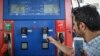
(83, 53)
(51, 39)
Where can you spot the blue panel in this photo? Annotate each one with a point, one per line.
(34, 38)
(34, 9)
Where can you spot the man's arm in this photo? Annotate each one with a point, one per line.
(67, 50)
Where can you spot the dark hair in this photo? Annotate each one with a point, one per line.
(89, 15)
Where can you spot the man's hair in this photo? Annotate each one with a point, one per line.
(89, 15)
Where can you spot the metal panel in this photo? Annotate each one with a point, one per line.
(34, 38)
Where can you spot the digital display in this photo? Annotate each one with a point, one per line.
(34, 7)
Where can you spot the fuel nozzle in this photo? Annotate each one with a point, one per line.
(61, 37)
(7, 37)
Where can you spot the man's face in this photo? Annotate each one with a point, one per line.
(76, 28)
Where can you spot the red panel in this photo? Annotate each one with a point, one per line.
(60, 28)
(68, 22)
(1, 14)
(60, 25)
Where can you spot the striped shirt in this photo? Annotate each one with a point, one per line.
(92, 48)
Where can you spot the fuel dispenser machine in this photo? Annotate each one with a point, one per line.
(27, 23)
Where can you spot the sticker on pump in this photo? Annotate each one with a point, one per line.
(45, 36)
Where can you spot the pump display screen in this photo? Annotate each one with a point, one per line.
(34, 7)
(27, 9)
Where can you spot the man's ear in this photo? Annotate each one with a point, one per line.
(82, 26)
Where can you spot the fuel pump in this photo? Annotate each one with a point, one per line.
(43, 17)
